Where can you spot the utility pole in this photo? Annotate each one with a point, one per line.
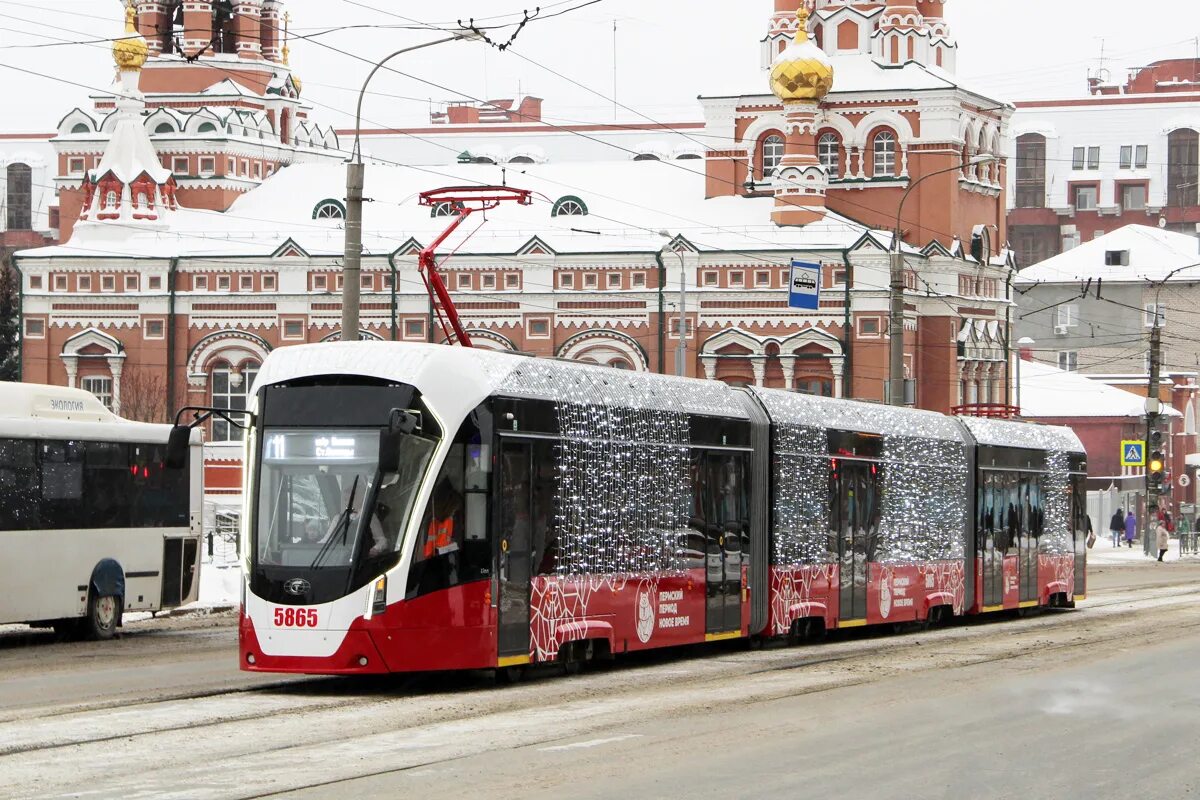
(896, 325)
(1155, 459)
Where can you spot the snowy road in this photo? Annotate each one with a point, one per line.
(188, 725)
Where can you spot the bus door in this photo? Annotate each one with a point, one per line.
(726, 526)
(991, 537)
(854, 519)
(514, 553)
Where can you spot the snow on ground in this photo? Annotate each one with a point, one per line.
(1104, 554)
(219, 585)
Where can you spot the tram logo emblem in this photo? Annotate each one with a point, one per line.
(885, 595)
(297, 586)
(645, 614)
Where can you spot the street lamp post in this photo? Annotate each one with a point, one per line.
(355, 173)
(681, 348)
(896, 317)
(1022, 343)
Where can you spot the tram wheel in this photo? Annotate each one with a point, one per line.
(103, 616)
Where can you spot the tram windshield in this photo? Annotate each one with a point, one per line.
(324, 502)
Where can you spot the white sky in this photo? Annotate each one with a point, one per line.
(668, 52)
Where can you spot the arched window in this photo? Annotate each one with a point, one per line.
(984, 171)
(1031, 171)
(688, 157)
(520, 160)
(1182, 167)
(646, 157)
(110, 198)
(231, 385)
(829, 153)
(20, 197)
(445, 209)
(884, 148)
(569, 206)
(772, 154)
(620, 363)
(80, 127)
(206, 127)
(329, 209)
(484, 160)
(164, 127)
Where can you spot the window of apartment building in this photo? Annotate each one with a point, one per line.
(230, 168)
(1068, 360)
(613, 280)
(1154, 311)
(1068, 315)
(340, 281)
(590, 280)
(868, 326)
(512, 280)
(246, 283)
(60, 283)
(637, 280)
(108, 283)
(1031, 171)
(258, 170)
(1134, 156)
(180, 165)
(208, 166)
(320, 283)
(689, 328)
(154, 329)
(737, 278)
(839, 277)
(200, 283)
(223, 283)
(762, 278)
(785, 277)
(710, 278)
(76, 166)
(487, 281)
(131, 283)
(1085, 158)
(245, 168)
(387, 281)
(268, 283)
(566, 280)
(35, 281)
(1183, 167)
(35, 328)
(462, 280)
(414, 329)
(293, 329)
(538, 328)
(366, 281)
(1084, 198)
(1133, 196)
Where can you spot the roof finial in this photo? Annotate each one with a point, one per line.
(802, 23)
(130, 51)
(287, 17)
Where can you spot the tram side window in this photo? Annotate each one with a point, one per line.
(19, 490)
(545, 531)
(1012, 494)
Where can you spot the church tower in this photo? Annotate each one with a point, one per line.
(801, 76)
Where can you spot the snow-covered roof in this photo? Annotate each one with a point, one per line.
(628, 203)
(1006, 433)
(849, 415)
(1153, 253)
(1048, 392)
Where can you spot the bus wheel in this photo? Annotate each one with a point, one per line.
(103, 616)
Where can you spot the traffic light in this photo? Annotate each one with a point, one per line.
(1156, 465)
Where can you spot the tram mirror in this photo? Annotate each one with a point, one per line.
(400, 424)
(177, 447)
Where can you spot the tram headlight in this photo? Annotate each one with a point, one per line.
(379, 601)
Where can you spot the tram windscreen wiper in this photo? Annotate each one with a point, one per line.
(343, 525)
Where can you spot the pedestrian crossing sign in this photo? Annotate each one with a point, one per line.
(1133, 453)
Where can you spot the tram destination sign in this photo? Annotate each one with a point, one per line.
(1133, 453)
(804, 289)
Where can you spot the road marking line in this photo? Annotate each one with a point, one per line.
(589, 743)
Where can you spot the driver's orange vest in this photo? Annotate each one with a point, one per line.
(440, 534)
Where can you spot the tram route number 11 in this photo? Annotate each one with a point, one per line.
(295, 618)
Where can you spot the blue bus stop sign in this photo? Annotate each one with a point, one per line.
(804, 290)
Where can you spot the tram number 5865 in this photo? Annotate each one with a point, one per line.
(295, 618)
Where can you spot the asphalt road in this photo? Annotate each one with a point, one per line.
(1096, 703)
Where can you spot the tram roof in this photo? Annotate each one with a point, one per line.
(1031, 435)
(456, 379)
(852, 415)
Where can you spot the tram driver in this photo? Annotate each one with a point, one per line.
(313, 534)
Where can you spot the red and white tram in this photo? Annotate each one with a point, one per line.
(422, 507)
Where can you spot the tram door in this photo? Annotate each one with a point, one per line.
(853, 517)
(1030, 533)
(723, 505)
(992, 537)
(514, 557)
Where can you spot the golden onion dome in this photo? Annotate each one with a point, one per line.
(802, 71)
(130, 52)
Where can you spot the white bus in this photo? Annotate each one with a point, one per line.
(92, 522)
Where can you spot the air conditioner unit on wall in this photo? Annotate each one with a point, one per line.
(1060, 330)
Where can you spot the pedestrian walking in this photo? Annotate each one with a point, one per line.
(1130, 528)
(1116, 526)
(1164, 539)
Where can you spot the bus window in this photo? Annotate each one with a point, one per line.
(19, 486)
